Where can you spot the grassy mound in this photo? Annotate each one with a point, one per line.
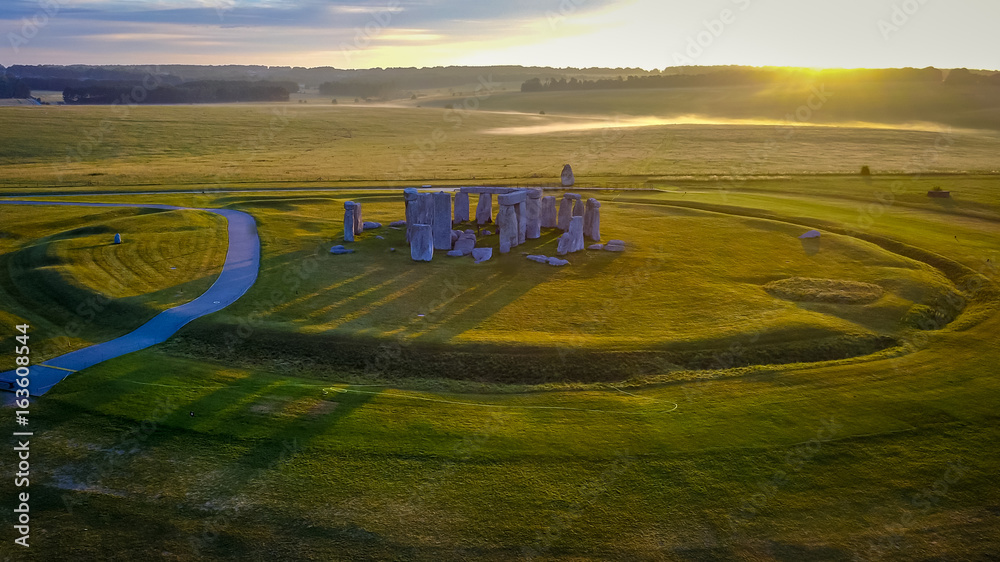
(839, 291)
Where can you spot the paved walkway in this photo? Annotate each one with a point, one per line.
(238, 274)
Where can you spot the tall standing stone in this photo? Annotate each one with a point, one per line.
(461, 207)
(522, 221)
(572, 240)
(410, 196)
(507, 224)
(441, 225)
(578, 208)
(425, 209)
(549, 217)
(349, 221)
(422, 245)
(567, 176)
(484, 209)
(359, 224)
(566, 210)
(592, 220)
(534, 226)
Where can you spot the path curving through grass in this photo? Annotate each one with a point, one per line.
(239, 272)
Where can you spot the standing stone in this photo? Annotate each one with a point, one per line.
(422, 245)
(425, 209)
(592, 220)
(349, 221)
(507, 222)
(410, 196)
(549, 219)
(534, 211)
(441, 224)
(566, 210)
(578, 207)
(359, 224)
(567, 176)
(572, 240)
(118, 238)
(461, 207)
(522, 221)
(484, 209)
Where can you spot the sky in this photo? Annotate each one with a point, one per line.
(560, 33)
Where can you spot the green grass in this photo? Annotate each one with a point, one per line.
(62, 274)
(888, 456)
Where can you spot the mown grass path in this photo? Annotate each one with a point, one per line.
(238, 274)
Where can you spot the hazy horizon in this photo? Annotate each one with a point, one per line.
(361, 34)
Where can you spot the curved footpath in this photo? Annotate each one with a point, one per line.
(238, 274)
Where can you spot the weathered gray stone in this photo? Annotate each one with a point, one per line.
(455, 254)
(469, 231)
(578, 208)
(557, 262)
(567, 176)
(507, 223)
(454, 236)
(118, 238)
(482, 254)
(371, 225)
(422, 244)
(410, 195)
(592, 220)
(534, 214)
(521, 209)
(487, 233)
(596, 247)
(441, 223)
(572, 240)
(340, 249)
(512, 198)
(615, 246)
(461, 207)
(397, 224)
(549, 217)
(484, 209)
(539, 259)
(359, 224)
(465, 244)
(349, 222)
(566, 210)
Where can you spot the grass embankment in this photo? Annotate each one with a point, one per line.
(61, 272)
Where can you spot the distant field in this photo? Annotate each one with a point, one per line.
(207, 147)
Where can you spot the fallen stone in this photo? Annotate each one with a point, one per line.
(557, 262)
(596, 247)
(455, 254)
(397, 224)
(482, 254)
(422, 243)
(566, 177)
(465, 244)
(539, 259)
(615, 246)
(372, 225)
(380, 237)
(487, 233)
(454, 236)
(340, 249)
(469, 231)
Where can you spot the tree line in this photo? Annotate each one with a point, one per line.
(14, 88)
(153, 92)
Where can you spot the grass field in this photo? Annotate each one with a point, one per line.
(321, 418)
